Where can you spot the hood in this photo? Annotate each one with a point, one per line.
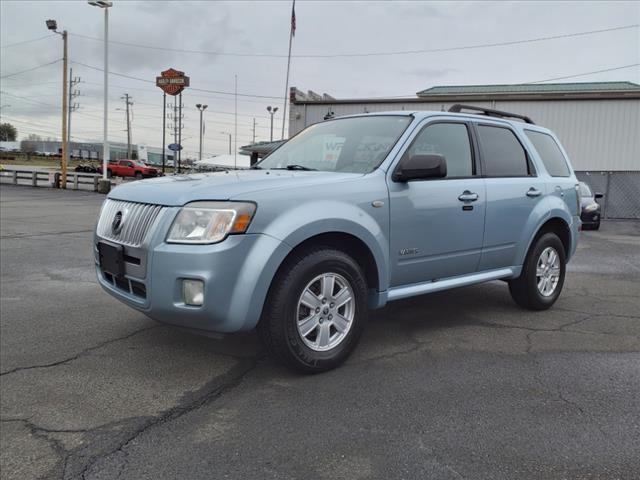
(177, 190)
(584, 201)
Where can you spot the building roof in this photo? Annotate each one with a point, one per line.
(531, 88)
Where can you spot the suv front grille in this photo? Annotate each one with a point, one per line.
(133, 224)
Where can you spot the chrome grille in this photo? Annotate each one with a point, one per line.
(137, 219)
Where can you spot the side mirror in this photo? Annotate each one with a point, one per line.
(599, 195)
(418, 167)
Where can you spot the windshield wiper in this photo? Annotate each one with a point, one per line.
(296, 167)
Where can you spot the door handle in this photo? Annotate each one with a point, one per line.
(534, 192)
(468, 196)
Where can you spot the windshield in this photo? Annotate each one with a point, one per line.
(585, 191)
(353, 145)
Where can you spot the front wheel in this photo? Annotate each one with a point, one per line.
(315, 311)
(542, 277)
(138, 175)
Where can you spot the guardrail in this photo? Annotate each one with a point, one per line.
(49, 178)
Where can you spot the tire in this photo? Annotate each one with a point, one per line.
(280, 329)
(109, 174)
(138, 175)
(597, 226)
(525, 290)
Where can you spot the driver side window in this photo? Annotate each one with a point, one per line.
(450, 140)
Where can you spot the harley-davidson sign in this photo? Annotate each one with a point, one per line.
(172, 81)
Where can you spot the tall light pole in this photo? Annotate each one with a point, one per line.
(272, 112)
(53, 26)
(201, 108)
(105, 142)
(227, 133)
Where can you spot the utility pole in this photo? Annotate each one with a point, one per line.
(235, 128)
(227, 133)
(128, 102)
(73, 106)
(254, 131)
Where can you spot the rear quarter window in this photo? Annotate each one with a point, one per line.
(549, 153)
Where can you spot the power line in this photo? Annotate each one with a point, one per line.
(367, 54)
(30, 69)
(587, 73)
(190, 88)
(24, 42)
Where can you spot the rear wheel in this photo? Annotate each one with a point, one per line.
(315, 311)
(542, 277)
(138, 175)
(109, 174)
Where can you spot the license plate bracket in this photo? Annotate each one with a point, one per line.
(111, 258)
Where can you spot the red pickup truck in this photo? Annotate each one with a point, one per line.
(130, 168)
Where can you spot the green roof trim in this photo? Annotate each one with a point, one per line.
(531, 88)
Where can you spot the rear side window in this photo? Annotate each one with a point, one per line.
(502, 153)
(550, 153)
(450, 140)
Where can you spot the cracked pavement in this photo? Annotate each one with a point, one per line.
(458, 384)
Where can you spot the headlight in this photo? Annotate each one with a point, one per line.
(591, 208)
(210, 222)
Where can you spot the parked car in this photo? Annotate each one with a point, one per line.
(590, 209)
(305, 243)
(130, 168)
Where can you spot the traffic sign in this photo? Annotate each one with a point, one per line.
(175, 147)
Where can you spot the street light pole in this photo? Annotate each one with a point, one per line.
(201, 108)
(272, 112)
(105, 142)
(53, 26)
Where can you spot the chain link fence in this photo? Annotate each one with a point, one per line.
(621, 192)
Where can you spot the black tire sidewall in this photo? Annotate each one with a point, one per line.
(546, 240)
(317, 263)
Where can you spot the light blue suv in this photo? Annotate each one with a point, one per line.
(347, 215)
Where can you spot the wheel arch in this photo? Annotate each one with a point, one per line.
(560, 227)
(347, 243)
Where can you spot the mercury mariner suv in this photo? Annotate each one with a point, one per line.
(347, 215)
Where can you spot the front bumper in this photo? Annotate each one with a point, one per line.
(590, 218)
(236, 273)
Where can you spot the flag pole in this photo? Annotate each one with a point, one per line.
(286, 88)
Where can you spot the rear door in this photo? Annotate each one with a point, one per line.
(513, 191)
(437, 224)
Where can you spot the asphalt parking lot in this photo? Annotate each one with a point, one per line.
(459, 384)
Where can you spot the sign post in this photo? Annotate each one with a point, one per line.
(172, 82)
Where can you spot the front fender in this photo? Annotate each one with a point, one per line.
(307, 220)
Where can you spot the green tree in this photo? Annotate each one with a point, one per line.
(8, 132)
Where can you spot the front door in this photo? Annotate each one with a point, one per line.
(437, 225)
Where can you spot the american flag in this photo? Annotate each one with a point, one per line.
(293, 18)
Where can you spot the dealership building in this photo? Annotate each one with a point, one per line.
(597, 122)
(93, 150)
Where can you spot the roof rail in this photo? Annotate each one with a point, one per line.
(458, 107)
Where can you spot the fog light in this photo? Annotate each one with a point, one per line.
(193, 292)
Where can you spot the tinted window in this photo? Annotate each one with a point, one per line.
(550, 153)
(450, 140)
(503, 156)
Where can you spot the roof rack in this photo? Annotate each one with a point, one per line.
(458, 107)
